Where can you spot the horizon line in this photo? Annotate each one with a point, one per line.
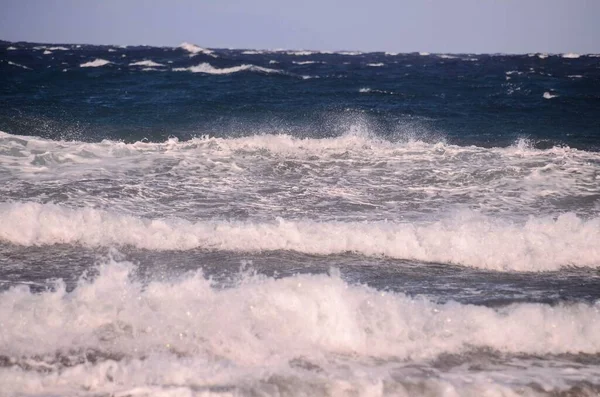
(302, 49)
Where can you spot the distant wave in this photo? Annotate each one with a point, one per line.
(424, 53)
(253, 52)
(194, 49)
(95, 63)
(571, 55)
(147, 63)
(209, 69)
(299, 53)
(18, 65)
(467, 239)
(367, 90)
(11, 48)
(304, 62)
(378, 64)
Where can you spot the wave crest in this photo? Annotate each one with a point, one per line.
(467, 238)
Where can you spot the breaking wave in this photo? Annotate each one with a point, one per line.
(209, 69)
(465, 238)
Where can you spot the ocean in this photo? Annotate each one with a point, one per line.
(182, 221)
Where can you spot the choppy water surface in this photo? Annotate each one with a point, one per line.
(184, 221)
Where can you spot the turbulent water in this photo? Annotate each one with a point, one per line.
(194, 222)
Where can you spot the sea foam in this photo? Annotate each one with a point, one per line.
(147, 63)
(194, 49)
(114, 334)
(209, 69)
(95, 63)
(466, 238)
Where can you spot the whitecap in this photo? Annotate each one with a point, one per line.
(47, 52)
(148, 63)
(11, 48)
(193, 49)
(424, 53)
(375, 65)
(549, 95)
(209, 69)
(300, 53)
(18, 65)
(468, 238)
(95, 63)
(571, 55)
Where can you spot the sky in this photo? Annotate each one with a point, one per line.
(446, 26)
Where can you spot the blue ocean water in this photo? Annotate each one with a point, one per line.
(191, 221)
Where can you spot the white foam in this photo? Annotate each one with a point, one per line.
(193, 49)
(47, 52)
(379, 64)
(549, 95)
(542, 56)
(58, 48)
(299, 53)
(95, 63)
(11, 48)
(18, 65)
(303, 62)
(424, 53)
(571, 55)
(148, 63)
(575, 76)
(391, 54)
(466, 238)
(252, 52)
(173, 337)
(446, 56)
(350, 53)
(209, 69)
(367, 90)
(272, 62)
(112, 50)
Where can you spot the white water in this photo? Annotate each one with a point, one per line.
(174, 336)
(18, 65)
(209, 69)
(194, 49)
(95, 63)
(354, 177)
(463, 239)
(149, 63)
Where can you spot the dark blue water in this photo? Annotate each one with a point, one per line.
(486, 100)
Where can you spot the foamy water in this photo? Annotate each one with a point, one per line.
(381, 224)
